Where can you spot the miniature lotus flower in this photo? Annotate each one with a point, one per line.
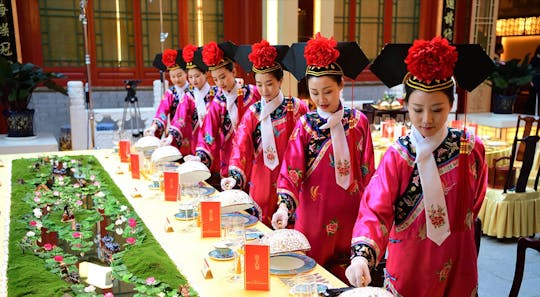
(36, 199)
(48, 246)
(92, 177)
(79, 202)
(118, 222)
(123, 208)
(56, 193)
(90, 289)
(132, 222)
(76, 186)
(37, 212)
(30, 233)
(97, 184)
(58, 258)
(100, 194)
(119, 231)
(37, 193)
(108, 294)
(76, 234)
(150, 281)
(131, 240)
(33, 223)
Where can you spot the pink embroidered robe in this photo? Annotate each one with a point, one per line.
(185, 125)
(391, 216)
(246, 164)
(215, 141)
(325, 212)
(167, 107)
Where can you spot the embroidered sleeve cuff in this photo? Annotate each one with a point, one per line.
(365, 251)
(205, 158)
(289, 202)
(240, 182)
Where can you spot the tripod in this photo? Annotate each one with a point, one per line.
(131, 105)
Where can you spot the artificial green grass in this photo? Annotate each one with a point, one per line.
(27, 275)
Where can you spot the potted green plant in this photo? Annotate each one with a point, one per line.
(17, 84)
(506, 79)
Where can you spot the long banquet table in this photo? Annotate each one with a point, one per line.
(186, 249)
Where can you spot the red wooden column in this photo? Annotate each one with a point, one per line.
(387, 21)
(242, 21)
(428, 19)
(352, 20)
(183, 26)
(29, 31)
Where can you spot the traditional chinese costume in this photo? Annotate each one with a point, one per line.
(325, 211)
(218, 129)
(168, 105)
(185, 125)
(392, 216)
(247, 162)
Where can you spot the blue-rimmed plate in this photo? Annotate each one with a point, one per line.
(185, 216)
(321, 288)
(249, 220)
(206, 191)
(290, 264)
(252, 234)
(215, 255)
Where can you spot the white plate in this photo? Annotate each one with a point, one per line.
(291, 263)
(366, 292)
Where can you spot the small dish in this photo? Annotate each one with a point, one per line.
(249, 220)
(321, 288)
(182, 216)
(216, 255)
(252, 234)
(206, 191)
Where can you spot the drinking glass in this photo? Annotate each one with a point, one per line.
(187, 210)
(305, 285)
(235, 234)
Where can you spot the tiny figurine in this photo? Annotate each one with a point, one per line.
(67, 216)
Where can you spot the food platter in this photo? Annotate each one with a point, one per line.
(291, 264)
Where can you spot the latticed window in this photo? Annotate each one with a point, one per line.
(369, 24)
(124, 35)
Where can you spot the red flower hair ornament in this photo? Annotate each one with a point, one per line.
(321, 55)
(431, 64)
(263, 56)
(169, 59)
(213, 56)
(188, 53)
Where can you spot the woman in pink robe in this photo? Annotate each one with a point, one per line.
(435, 257)
(185, 126)
(307, 185)
(247, 163)
(174, 96)
(232, 100)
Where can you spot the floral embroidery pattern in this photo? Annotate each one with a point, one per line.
(208, 138)
(295, 175)
(343, 167)
(445, 271)
(270, 153)
(314, 191)
(332, 227)
(436, 216)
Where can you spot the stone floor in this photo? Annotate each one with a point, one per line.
(496, 265)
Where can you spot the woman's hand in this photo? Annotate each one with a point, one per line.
(227, 183)
(358, 272)
(280, 217)
(150, 131)
(167, 140)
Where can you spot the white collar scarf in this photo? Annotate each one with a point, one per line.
(199, 101)
(232, 108)
(342, 157)
(437, 223)
(181, 91)
(270, 156)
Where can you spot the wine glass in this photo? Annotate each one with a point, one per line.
(235, 234)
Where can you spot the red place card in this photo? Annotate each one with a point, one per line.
(124, 148)
(210, 219)
(136, 165)
(171, 185)
(257, 267)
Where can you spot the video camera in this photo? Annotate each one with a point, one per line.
(130, 86)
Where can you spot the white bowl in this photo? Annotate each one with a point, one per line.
(234, 201)
(192, 172)
(285, 241)
(366, 292)
(147, 143)
(166, 153)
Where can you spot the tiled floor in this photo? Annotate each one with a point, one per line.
(496, 265)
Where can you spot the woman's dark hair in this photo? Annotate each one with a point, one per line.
(229, 66)
(449, 92)
(337, 78)
(277, 73)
